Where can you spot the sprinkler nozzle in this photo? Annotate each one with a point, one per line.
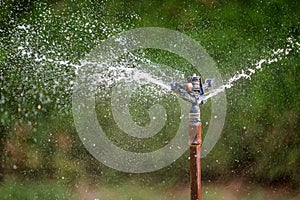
(193, 90)
(209, 82)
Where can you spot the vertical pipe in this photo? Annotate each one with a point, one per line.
(195, 173)
(195, 140)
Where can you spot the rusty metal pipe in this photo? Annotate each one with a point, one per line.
(195, 173)
(195, 141)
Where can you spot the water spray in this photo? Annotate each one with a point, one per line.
(193, 92)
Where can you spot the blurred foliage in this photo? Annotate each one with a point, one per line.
(38, 190)
(260, 140)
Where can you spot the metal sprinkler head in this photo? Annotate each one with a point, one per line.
(193, 90)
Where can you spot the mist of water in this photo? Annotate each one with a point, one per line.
(48, 63)
(132, 69)
(276, 55)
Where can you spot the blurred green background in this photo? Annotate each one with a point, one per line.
(42, 157)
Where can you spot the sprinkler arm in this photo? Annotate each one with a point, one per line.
(192, 96)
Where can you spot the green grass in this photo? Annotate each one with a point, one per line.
(16, 190)
(131, 190)
(210, 192)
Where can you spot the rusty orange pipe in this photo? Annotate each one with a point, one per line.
(195, 141)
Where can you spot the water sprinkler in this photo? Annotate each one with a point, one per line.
(193, 92)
